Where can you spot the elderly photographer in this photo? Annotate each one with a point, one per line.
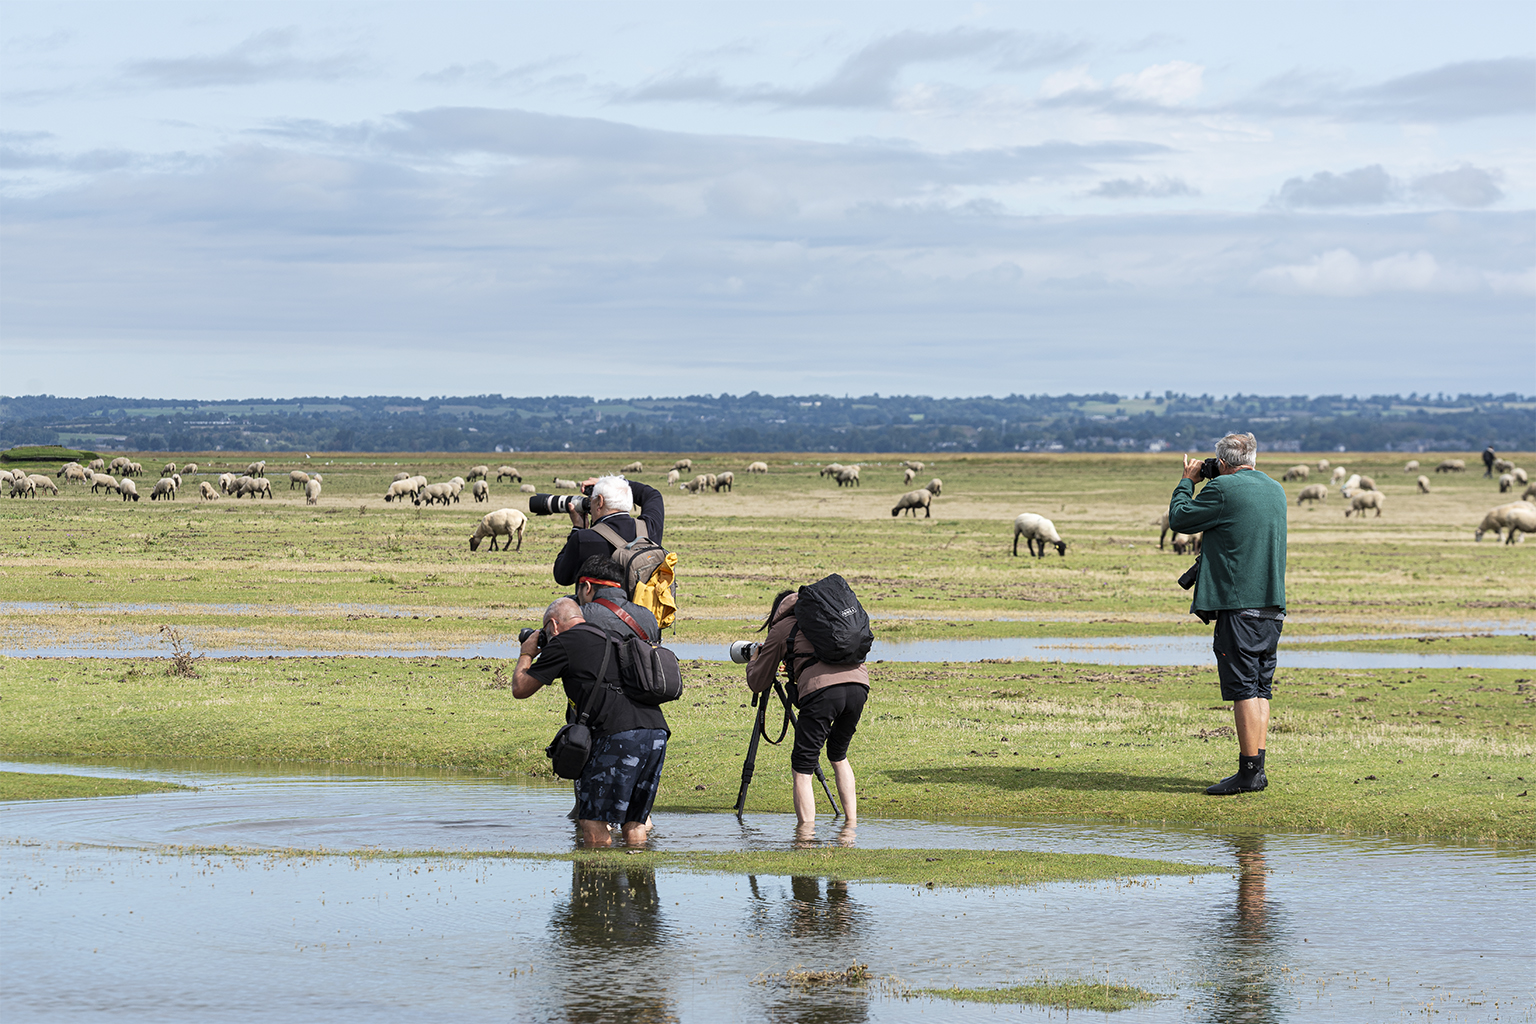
(613, 498)
(1240, 583)
(629, 740)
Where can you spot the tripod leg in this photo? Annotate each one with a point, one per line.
(820, 775)
(751, 761)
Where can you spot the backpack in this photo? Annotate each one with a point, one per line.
(650, 672)
(649, 578)
(830, 616)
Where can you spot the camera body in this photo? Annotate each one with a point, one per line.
(528, 631)
(743, 650)
(1210, 469)
(550, 504)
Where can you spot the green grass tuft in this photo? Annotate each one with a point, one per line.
(30, 786)
(1071, 995)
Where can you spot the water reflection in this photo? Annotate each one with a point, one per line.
(1248, 945)
(820, 924)
(611, 934)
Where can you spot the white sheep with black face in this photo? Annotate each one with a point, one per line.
(164, 490)
(1036, 529)
(482, 491)
(509, 473)
(910, 502)
(848, 476)
(1297, 472)
(503, 523)
(297, 478)
(1503, 518)
(1412, 466)
(1312, 492)
(725, 481)
(757, 467)
(312, 492)
(1423, 483)
(1364, 500)
(477, 473)
(129, 490)
(936, 486)
(208, 491)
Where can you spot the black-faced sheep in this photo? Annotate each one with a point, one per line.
(134, 469)
(848, 476)
(1187, 543)
(64, 469)
(509, 473)
(164, 490)
(1502, 465)
(402, 476)
(208, 491)
(1499, 518)
(455, 488)
(673, 476)
(259, 487)
(696, 485)
(399, 491)
(312, 492)
(42, 483)
(757, 467)
(1423, 482)
(683, 465)
(169, 469)
(477, 473)
(482, 491)
(297, 478)
(228, 482)
(633, 467)
(1322, 465)
(121, 462)
(96, 465)
(725, 481)
(256, 469)
(503, 523)
(908, 475)
(102, 480)
(1412, 466)
(912, 501)
(76, 473)
(569, 485)
(129, 490)
(916, 467)
(1451, 466)
(21, 487)
(1037, 529)
(528, 488)
(831, 469)
(1300, 472)
(1312, 492)
(1506, 481)
(190, 469)
(1520, 521)
(433, 494)
(1519, 475)
(936, 486)
(1364, 500)
(1161, 522)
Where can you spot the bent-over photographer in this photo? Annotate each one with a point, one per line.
(629, 740)
(613, 499)
(600, 592)
(1240, 583)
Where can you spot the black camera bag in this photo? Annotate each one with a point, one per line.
(571, 748)
(829, 614)
(650, 672)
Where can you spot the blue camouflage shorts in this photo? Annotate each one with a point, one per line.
(620, 780)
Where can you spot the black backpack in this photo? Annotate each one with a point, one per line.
(830, 616)
(650, 672)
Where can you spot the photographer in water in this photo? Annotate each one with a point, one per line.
(830, 699)
(612, 500)
(1239, 582)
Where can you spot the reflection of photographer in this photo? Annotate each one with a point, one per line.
(612, 500)
(828, 687)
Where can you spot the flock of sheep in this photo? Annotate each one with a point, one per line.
(97, 474)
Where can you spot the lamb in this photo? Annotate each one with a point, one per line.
(96, 465)
(1297, 472)
(228, 482)
(673, 476)
(1498, 518)
(1339, 473)
(1506, 481)
(683, 465)
(912, 501)
(936, 486)
(297, 478)
(478, 473)
(312, 492)
(256, 468)
(130, 490)
(1412, 466)
(164, 489)
(208, 491)
(169, 469)
(190, 469)
(482, 491)
(1312, 492)
(570, 485)
(908, 475)
(725, 481)
(1364, 500)
(1423, 484)
(1451, 466)
(633, 467)
(1037, 529)
(757, 467)
(848, 476)
(503, 523)
(916, 467)
(99, 480)
(42, 483)
(1502, 465)
(510, 472)
(1322, 465)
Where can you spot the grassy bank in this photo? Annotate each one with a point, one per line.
(32, 786)
(1414, 753)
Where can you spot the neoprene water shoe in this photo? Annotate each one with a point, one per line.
(1238, 784)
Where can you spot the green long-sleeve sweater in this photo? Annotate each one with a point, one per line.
(1242, 556)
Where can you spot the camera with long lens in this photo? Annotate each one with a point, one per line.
(550, 504)
(743, 650)
(528, 631)
(1210, 469)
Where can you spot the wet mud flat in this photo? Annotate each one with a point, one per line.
(102, 923)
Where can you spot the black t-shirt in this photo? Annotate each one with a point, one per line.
(574, 657)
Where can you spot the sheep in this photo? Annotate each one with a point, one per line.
(190, 469)
(570, 485)
(916, 467)
(402, 476)
(76, 473)
(227, 482)
(510, 472)
(258, 486)
(1351, 485)
(673, 476)
(297, 478)
(725, 481)
(64, 469)
(1506, 482)
(831, 469)
(169, 469)
(1520, 520)
(99, 480)
(936, 486)
(633, 467)
(709, 481)
(1451, 466)
(528, 488)
(42, 483)
(134, 469)
(912, 501)
(1368, 484)
(1530, 492)
(176, 479)
(683, 465)
(1498, 519)
(757, 467)
(482, 491)
(908, 475)
(96, 465)
(121, 462)
(455, 488)
(1312, 492)
(22, 485)
(1339, 473)
(130, 490)
(164, 489)
(503, 523)
(1037, 529)
(1322, 465)
(1364, 500)
(478, 473)
(433, 493)
(848, 476)
(1412, 466)
(695, 485)
(1297, 472)
(1519, 475)
(312, 492)
(1161, 522)
(317, 478)
(208, 491)
(256, 468)
(1187, 543)
(1423, 483)
(1502, 465)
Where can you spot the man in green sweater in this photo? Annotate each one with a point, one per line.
(1241, 585)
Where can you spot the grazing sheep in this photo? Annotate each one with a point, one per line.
(1529, 493)
(169, 469)
(208, 491)
(76, 472)
(297, 478)
(164, 489)
(121, 462)
(831, 469)
(130, 490)
(482, 491)
(570, 485)
(633, 467)
(316, 477)
(1161, 522)
(1313, 492)
(709, 481)
(134, 469)
(64, 469)
(725, 481)
(848, 476)
(42, 483)
(936, 486)
(1423, 484)
(1520, 521)
(510, 473)
(683, 465)
(256, 468)
(1451, 466)
(1322, 465)
(99, 480)
(1339, 473)
(908, 475)
(757, 467)
(1297, 473)
(1506, 481)
(96, 465)
(22, 486)
(455, 488)
(1351, 485)
(402, 476)
(1412, 466)
(1187, 543)
(528, 488)
(912, 501)
(1037, 529)
(478, 473)
(1502, 465)
(503, 523)
(228, 482)
(695, 485)
(257, 486)
(1519, 475)
(1364, 500)
(176, 479)
(916, 467)
(190, 469)
(1498, 519)
(312, 492)
(1367, 484)
(673, 476)
(433, 493)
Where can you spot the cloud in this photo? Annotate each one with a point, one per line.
(1450, 93)
(489, 73)
(1141, 188)
(1467, 186)
(1364, 186)
(1340, 273)
(1155, 88)
(264, 57)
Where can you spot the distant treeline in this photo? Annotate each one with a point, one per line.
(754, 422)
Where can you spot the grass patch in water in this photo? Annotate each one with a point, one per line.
(1070, 995)
(33, 786)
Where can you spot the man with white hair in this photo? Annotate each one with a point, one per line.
(1240, 584)
(613, 499)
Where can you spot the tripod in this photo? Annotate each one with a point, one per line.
(760, 731)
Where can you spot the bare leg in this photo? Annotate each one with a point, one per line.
(1252, 717)
(805, 799)
(595, 834)
(636, 832)
(842, 771)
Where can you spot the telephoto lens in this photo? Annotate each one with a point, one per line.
(743, 650)
(551, 504)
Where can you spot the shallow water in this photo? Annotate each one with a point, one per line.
(1302, 928)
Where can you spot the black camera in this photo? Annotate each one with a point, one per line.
(528, 631)
(550, 504)
(1190, 575)
(1210, 469)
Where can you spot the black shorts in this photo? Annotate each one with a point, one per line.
(1245, 654)
(829, 716)
(620, 780)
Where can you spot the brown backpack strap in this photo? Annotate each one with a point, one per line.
(611, 535)
(629, 619)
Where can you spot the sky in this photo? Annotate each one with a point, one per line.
(225, 200)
